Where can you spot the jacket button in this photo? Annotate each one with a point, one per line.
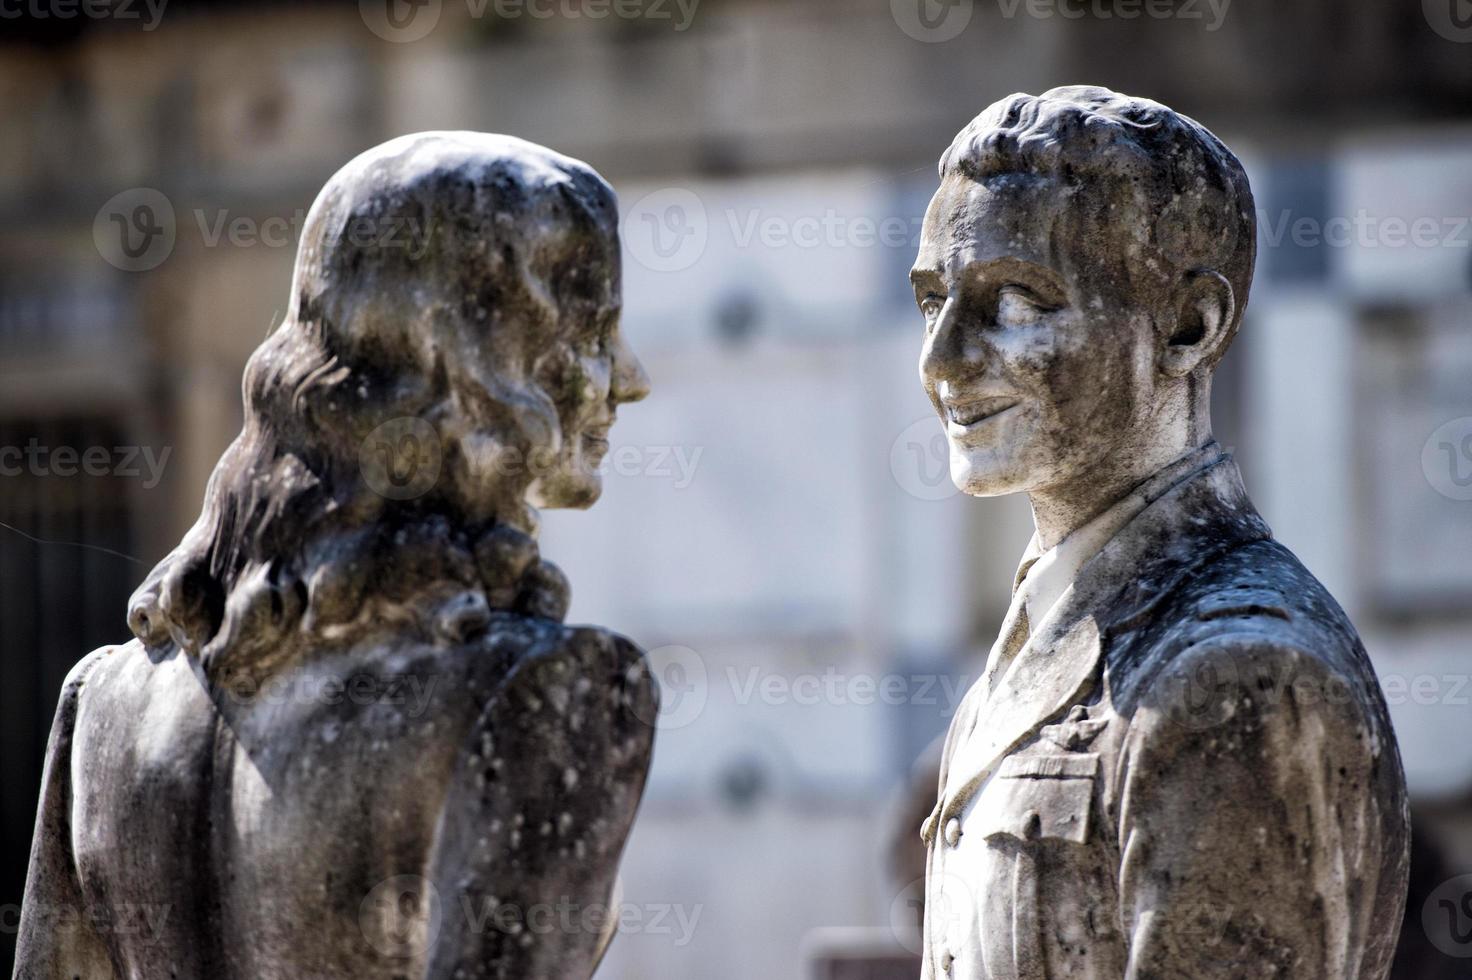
(953, 831)
(946, 961)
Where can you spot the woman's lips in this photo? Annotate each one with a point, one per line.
(595, 437)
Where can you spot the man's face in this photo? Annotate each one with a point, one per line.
(1037, 355)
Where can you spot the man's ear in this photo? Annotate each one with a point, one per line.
(1204, 312)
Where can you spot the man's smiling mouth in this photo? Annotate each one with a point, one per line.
(969, 413)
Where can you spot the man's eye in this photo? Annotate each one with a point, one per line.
(1016, 305)
(931, 306)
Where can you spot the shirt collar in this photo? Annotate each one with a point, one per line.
(1044, 576)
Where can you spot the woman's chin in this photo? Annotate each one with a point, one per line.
(566, 490)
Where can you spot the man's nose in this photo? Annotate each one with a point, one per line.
(949, 355)
(630, 381)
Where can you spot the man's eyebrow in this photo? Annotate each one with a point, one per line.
(921, 274)
(1011, 265)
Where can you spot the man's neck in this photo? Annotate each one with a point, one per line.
(1060, 510)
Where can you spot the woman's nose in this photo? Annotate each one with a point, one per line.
(630, 381)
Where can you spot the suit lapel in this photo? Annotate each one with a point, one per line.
(1056, 668)
(1059, 666)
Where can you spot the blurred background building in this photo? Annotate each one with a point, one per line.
(778, 529)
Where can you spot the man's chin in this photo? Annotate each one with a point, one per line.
(978, 481)
(974, 488)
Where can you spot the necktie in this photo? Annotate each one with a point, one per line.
(1010, 641)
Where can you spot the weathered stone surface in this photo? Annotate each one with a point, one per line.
(352, 737)
(1178, 762)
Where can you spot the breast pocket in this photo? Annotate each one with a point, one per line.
(1040, 797)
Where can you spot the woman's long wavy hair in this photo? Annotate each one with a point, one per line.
(412, 259)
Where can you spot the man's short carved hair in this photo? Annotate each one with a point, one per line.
(1186, 181)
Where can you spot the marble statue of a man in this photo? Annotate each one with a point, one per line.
(1178, 763)
(352, 738)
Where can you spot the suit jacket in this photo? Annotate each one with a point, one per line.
(1187, 773)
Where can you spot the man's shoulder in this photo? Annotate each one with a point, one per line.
(1261, 573)
(1248, 623)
